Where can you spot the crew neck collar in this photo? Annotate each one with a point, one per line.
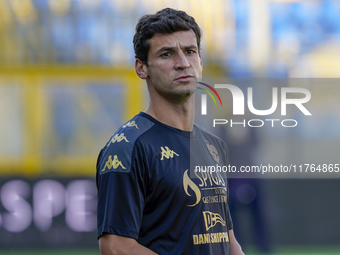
(187, 134)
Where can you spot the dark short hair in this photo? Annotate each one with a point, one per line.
(165, 21)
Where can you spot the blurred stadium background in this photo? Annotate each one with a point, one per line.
(67, 82)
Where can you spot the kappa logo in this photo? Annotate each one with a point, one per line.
(131, 124)
(115, 163)
(213, 151)
(168, 153)
(211, 219)
(118, 138)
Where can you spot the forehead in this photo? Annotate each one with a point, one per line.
(179, 38)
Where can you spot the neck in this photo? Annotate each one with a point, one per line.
(177, 115)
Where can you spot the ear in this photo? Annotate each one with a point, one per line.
(141, 69)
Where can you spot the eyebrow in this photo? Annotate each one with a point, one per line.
(167, 48)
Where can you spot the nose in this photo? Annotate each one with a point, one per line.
(182, 62)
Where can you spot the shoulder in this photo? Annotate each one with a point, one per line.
(211, 138)
(215, 145)
(117, 154)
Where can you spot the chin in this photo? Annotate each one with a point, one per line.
(184, 94)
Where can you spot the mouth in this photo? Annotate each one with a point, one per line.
(185, 78)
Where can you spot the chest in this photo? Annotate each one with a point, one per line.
(188, 170)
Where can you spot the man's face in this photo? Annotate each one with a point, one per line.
(174, 64)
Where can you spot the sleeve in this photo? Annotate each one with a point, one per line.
(230, 221)
(121, 191)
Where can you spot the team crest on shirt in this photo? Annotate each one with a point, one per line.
(213, 151)
(167, 153)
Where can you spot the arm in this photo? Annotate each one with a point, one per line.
(235, 248)
(119, 245)
(120, 200)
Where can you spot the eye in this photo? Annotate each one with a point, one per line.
(190, 52)
(166, 54)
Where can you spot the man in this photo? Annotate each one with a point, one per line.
(151, 197)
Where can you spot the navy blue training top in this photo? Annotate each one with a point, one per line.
(152, 187)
